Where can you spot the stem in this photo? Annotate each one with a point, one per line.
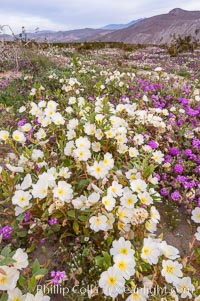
(13, 147)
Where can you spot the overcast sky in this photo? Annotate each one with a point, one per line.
(72, 14)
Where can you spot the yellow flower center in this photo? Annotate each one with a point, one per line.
(124, 251)
(143, 199)
(44, 190)
(5, 136)
(109, 134)
(122, 265)
(61, 191)
(81, 153)
(98, 169)
(135, 296)
(119, 139)
(16, 137)
(22, 199)
(112, 280)
(183, 288)
(3, 279)
(106, 202)
(120, 225)
(121, 214)
(170, 269)
(130, 201)
(146, 251)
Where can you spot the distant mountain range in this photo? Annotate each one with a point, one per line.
(120, 26)
(154, 30)
(76, 35)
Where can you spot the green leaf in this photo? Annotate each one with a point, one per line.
(83, 218)
(83, 183)
(15, 223)
(109, 240)
(57, 214)
(76, 227)
(20, 217)
(149, 170)
(32, 284)
(22, 281)
(41, 272)
(86, 252)
(65, 234)
(31, 248)
(35, 266)
(107, 258)
(4, 297)
(71, 213)
(6, 251)
(99, 261)
(92, 117)
(6, 261)
(22, 234)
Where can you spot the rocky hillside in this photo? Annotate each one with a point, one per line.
(159, 29)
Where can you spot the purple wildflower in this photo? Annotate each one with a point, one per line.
(21, 122)
(163, 191)
(37, 121)
(164, 176)
(57, 276)
(175, 195)
(173, 151)
(6, 232)
(188, 152)
(181, 179)
(184, 101)
(53, 221)
(168, 159)
(196, 143)
(189, 184)
(156, 175)
(178, 168)
(153, 144)
(51, 139)
(90, 98)
(27, 216)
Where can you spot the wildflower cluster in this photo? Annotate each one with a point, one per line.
(89, 165)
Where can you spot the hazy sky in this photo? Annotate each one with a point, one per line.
(71, 14)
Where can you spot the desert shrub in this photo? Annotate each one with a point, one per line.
(182, 44)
